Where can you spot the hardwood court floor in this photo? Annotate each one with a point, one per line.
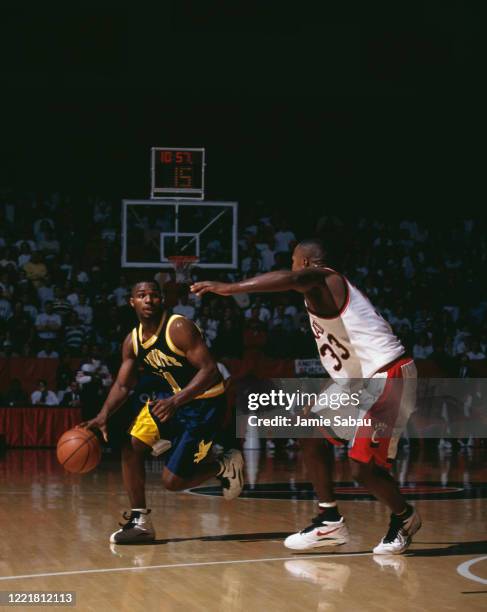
(214, 555)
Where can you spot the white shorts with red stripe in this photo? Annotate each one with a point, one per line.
(391, 401)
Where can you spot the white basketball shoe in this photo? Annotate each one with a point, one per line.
(400, 533)
(231, 476)
(319, 533)
(138, 528)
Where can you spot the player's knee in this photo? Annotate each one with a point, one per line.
(172, 482)
(359, 470)
(138, 446)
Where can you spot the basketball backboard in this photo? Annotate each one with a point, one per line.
(153, 230)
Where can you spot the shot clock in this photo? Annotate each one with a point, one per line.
(177, 173)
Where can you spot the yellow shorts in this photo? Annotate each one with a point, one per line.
(144, 427)
(191, 431)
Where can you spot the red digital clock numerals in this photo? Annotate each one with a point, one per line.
(176, 157)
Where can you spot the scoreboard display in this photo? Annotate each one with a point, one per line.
(177, 173)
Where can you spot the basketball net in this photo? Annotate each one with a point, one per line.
(182, 265)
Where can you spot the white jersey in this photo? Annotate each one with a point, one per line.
(358, 341)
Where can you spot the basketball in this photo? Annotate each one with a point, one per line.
(78, 451)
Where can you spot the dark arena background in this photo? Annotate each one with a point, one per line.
(362, 124)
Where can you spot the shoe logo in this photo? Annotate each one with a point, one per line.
(202, 451)
(324, 533)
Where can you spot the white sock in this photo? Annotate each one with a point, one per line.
(144, 516)
(327, 504)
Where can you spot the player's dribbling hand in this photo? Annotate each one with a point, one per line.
(99, 422)
(163, 409)
(210, 287)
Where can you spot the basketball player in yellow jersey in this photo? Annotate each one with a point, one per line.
(187, 410)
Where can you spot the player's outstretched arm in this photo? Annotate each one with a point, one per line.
(187, 338)
(280, 280)
(124, 383)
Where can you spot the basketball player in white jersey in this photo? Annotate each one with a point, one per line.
(354, 342)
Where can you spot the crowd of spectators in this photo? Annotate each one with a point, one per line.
(63, 293)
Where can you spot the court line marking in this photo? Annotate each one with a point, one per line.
(464, 570)
(203, 497)
(181, 565)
